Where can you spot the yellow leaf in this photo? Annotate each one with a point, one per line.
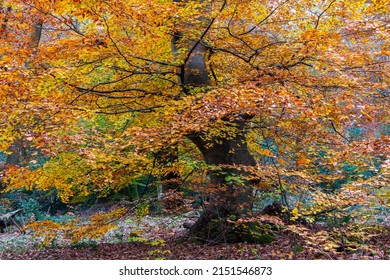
(303, 161)
(295, 214)
(367, 115)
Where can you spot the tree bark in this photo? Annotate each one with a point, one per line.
(170, 179)
(17, 152)
(232, 193)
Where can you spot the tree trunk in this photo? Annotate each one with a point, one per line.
(170, 180)
(231, 193)
(17, 150)
(225, 156)
(16, 153)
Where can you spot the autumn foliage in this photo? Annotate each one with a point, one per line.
(236, 101)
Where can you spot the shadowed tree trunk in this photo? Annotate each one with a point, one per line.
(170, 180)
(231, 194)
(17, 150)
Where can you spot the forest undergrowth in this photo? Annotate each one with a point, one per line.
(164, 237)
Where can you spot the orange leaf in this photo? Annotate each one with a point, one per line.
(268, 153)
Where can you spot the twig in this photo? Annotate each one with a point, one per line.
(342, 136)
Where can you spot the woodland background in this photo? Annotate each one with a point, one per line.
(210, 129)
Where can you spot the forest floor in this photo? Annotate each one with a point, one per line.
(279, 249)
(161, 237)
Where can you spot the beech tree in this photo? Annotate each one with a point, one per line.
(268, 93)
